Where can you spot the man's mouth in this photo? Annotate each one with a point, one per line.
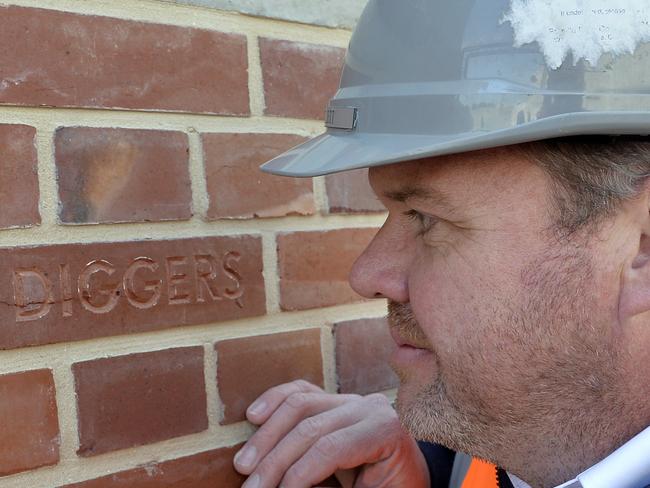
(407, 352)
(412, 344)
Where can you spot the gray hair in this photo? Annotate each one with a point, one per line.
(591, 175)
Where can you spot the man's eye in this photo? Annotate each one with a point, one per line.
(426, 222)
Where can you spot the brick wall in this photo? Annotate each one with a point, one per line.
(153, 281)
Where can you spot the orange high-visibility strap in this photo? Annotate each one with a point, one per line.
(481, 475)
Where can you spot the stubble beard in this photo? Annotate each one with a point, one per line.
(553, 419)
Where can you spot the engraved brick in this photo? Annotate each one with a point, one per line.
(299, 78)
(139, 399)
(29, 437)
(350, 192)
(72, 292)
(74, 60)
(211, 469)
(363, 349)
(314, 267)
(18, 177)
(122, 175)
(249, 366)
(232, 170)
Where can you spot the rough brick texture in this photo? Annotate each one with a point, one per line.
(78, 291)
(211, 469)
(350, 192)
(29, 437)
(18, 176)
(237, 187)
(299, 78)
(363, 348)
(314, 267)
(248, 366)
(121, 175)
(76, 60)
(140, 399)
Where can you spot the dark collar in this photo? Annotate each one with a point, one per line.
(503, 479)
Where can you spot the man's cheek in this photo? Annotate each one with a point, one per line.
(438, 303)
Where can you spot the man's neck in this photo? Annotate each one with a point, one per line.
(627, 467)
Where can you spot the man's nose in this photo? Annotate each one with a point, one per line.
(381, 270)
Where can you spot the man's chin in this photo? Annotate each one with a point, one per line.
(413, 415)
(424, 413)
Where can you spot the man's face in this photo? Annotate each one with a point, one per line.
(517, 349)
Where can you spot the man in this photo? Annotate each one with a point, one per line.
(516, 264)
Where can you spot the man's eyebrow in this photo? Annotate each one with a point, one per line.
(418, 193)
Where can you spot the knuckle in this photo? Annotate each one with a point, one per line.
(297, 401)
(297, 475)
(303, 386)
(309, 429)
(266, 469)
(378, 400)
(263, 437)
(327, 447)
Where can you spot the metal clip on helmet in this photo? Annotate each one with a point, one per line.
(432, 77)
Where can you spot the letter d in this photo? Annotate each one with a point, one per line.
(32, 303)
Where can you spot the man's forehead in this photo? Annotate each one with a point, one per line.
(448, 180)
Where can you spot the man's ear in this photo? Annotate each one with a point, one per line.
(635, 279)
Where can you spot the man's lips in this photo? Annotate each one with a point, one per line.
(409, 353)
(403, 342)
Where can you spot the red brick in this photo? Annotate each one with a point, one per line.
(350, 192)
(139, 399)
(363, 349)
(249, 366)
(29, 437)
(211, 469)
(232, 169)
(122, 175)
(299, 78)
(314, 267)
(117, 288)
(18, 177)
(74, 60)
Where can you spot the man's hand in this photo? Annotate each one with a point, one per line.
(306, 435)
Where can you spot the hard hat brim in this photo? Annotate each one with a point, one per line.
(339, 150)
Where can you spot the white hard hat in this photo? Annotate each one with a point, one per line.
(432, 77)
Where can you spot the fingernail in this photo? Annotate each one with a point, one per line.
(252, 482)
(246, 457)
(257, 408)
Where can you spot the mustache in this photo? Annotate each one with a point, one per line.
(403, 321)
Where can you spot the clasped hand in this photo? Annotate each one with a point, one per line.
(305, 435)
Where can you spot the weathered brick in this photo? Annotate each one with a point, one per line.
(18, 176)
(314, 267)
(363, 348)
(299, 78)
(211, 469)
(249, 366)
(139, 399)
(232, 170)
(74, 60)
(72, 292)
(29, 437)
(350, 192)
(122, 175)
